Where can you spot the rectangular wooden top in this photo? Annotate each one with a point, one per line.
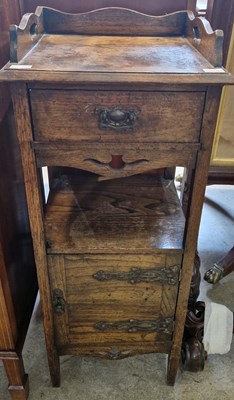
(115, 45)
(114, 54)
(102, 55)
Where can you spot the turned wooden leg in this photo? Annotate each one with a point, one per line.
(192, 352)
(18, 380)
(192, 349)
(193, 355)
(195, 284)
(220, 269)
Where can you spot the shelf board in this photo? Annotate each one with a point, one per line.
(139, 214)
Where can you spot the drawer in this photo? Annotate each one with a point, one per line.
(116, 116)
(113, 298)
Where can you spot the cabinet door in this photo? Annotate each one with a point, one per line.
(104, 299)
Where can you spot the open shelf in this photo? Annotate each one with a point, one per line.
(136, 214)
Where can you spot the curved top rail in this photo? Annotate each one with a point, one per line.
(112, 20)
(115, 21)
(205, 40)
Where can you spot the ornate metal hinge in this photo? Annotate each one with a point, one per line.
(164, 325)
(165, 275)
(58, 301)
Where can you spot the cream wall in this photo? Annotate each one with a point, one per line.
(223, 149)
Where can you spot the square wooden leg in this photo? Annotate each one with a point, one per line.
(18, 380)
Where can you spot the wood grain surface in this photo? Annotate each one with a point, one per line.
(93, 234)
(89, 302)
(114, 160)
(35, 210)
(132, 215)
(154, 7)
(108, 53)
(127, 40)
(160, 116)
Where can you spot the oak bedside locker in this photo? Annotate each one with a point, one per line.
(102, 98)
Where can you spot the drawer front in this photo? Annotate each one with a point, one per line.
(106, 299)
(114, 116)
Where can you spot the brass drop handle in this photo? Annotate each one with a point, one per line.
(117, 119)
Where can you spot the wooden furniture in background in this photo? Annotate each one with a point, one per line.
(18, 282)
(222, 158)
(10, 14)
(222, 268)
(112, 239)
(155, 7)
(221, 15)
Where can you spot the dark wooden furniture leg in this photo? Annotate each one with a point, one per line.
(220, 269)
(18, 380)
(193, 353)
